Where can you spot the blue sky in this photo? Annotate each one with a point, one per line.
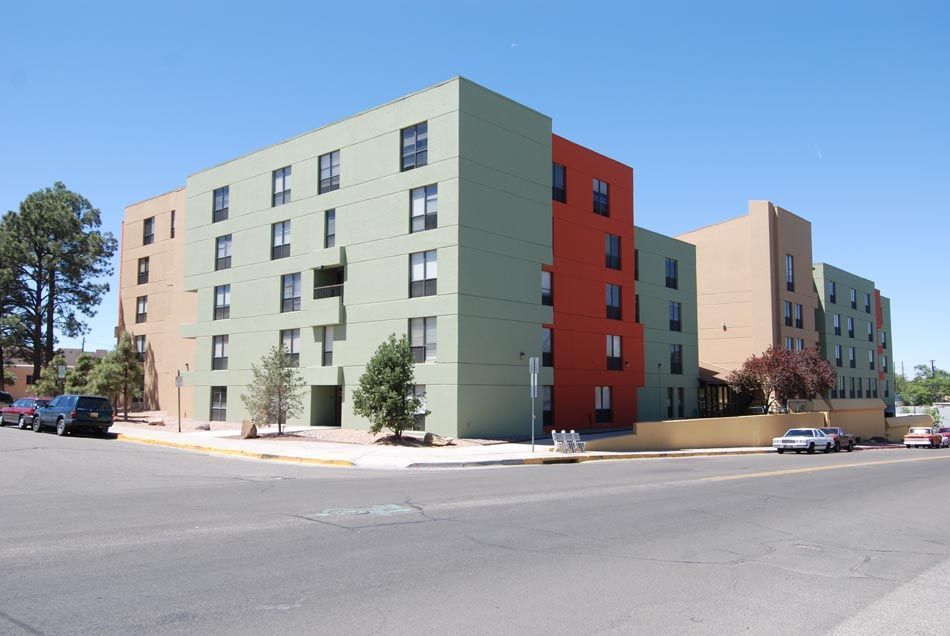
(838, 111)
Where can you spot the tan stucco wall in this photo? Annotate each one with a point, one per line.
(897, 426)
(740, 267)
(169, 306)
(721, 432)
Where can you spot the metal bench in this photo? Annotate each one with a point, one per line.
(568, 442)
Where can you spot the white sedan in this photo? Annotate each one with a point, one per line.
(803, 439)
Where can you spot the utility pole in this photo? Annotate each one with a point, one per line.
(933, 369)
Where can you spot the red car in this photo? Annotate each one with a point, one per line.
(21, 412)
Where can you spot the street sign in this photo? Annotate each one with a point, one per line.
(179, 381)
(533, 367)
(61, 371)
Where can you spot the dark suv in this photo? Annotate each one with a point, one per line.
(75, 412)
(5, 399)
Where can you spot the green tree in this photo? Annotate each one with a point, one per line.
(385, 393)
(8, 379)
(276, 390)
(48, 383)
(57, 257)
(78, 378)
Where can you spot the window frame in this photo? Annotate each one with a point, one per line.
(558, 193)
(142, 272)
(148, 231)
(141, 309)
(218, 407)
(676, 316)
(329, 222)
(614, 352)
(223, 262)
(331, 181)
(547, 293)
(428, 204)
(602, 414)
(547, 347)
(612, 251)
(601, 198)
(220, 344)
(676, 359)
(292, 302)
(410, 160)
(614, 311)
(222, 311)
(280, 231)
(293, 351)
(326, 346)
(672, 273)
(789, 272)
(427, 351)
(285, 176)
(427, 285)
(220, 213)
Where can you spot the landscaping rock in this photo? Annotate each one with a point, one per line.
(156, 423)
(431, 439)
(248, 430)
(203, 427)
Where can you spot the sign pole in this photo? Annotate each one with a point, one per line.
(533, 372)
(178, 382)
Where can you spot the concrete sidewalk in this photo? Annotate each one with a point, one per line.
(389, 457)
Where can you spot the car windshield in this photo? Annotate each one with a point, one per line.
(920, 431)
(42, 402)
(833, 431)
(798, 432)
(93, 403)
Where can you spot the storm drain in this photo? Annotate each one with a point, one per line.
(380, 511)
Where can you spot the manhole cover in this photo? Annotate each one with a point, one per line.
(382, 511)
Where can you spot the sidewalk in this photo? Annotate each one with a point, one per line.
(389, 457)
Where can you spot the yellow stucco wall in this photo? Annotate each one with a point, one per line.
(897, 426)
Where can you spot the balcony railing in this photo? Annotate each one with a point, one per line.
(328, 291)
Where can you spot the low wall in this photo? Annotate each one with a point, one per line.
(897, 426)
(718, 432)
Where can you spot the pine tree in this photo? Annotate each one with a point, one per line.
(385, 393)
(77, 378)
(119, 374)
(276, 391)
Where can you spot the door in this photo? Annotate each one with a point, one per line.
(338, 406)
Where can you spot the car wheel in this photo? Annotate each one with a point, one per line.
(798, 452)
(60, 427)
(21, 423)
(37, 424)
(827, 448)
(779, 450)
(811, 448)
(837, 446)
(850, 446)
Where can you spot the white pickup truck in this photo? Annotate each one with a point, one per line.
(803, 439)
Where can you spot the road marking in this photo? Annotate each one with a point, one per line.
(815, 469)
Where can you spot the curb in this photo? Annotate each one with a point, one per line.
(645, 455)
(234, 453)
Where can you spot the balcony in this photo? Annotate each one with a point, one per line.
(328, 291)
(329, 257)
(326, 310)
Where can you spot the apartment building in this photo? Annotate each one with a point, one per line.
(854, 329)
(665, 274)
(152, 301)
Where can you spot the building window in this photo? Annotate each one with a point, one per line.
(676, 323)
(837, 355)
(854, 298)
(330, 172)
(841, 390)
(887, 388)
(419, 417)
(148, 231)
(883, 336)
(415, 146)
(29, 379)
(789, 343)
(219, 353)
(290, 292)
(143, 270)
(612, 251)
(672, 273)
(559, 180)
(860, 386)
(613, 302)
(328, 345)
(281, 189)
(329, 229)
(219, 403)
(422, 338)
(790, 272)
(424, 208)
(636, 264)
(140, 348)
(547, 405)
(870, 332)
(799, 316)
(603, 405)
(280, 240)
(669, 402)
(676, 359)
(867, 304)
(850, 327)
(219, 207)
(636, 306)
(851, 389)
(601, 198)
(547, 289)
(423, 274)
(222, 302)
(547, 347)
(141, 309)
(884, 364)
(788, 314)
(832, 292)
(871, 360)
(837, 322)
(222, 252)
(851, 362)
(171, 226)
(873, 383)
(801, 344)
(681, 402)
(614, 353)
(290, 341)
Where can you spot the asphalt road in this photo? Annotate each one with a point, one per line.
(102, 536)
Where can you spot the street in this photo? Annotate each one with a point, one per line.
(102, 536)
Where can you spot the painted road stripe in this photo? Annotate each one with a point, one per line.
(815, 469)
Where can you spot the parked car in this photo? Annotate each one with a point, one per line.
(803, 439)
(5, 399)
(945, 432)
(21, 412)
(923, 437)
(842, 439)
(75, 412)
